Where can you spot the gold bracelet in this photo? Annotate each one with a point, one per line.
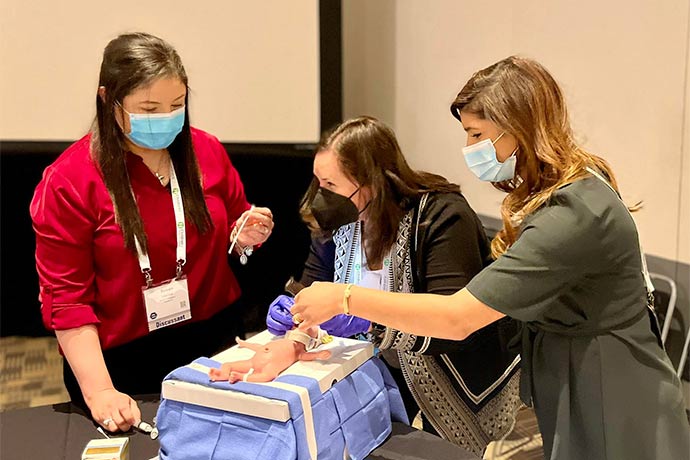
(346, 299)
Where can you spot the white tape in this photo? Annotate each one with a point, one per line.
(199, 367)
(303, 394)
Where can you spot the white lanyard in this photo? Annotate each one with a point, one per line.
(645, 272)
(361, 276)
(181, 253)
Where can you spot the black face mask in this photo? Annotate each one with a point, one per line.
(332, 211)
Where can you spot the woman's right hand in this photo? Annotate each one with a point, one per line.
(318, 303)
(113, 410)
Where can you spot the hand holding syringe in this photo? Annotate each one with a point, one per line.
(252, 228)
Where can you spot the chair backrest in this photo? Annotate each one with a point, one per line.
(668, 316)
(684, 354)
(670, 308)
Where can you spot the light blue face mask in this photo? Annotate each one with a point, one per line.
(482, 161)
(155, 130)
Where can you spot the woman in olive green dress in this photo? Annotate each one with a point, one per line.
(568, 265)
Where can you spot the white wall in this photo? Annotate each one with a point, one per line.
(684, 208)
(622, 65)
(369, 34)
(253, 67)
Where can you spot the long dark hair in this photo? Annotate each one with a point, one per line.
(369, 154)
(132, 61)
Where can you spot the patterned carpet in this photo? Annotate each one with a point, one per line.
(524, 443)
(31, 375)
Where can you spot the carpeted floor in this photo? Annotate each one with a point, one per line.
(524, 443)
(31, 375)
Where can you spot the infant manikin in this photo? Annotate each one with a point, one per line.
(271, 359)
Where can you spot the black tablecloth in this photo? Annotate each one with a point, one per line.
(61, 432)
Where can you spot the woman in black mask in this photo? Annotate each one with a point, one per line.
(379, 224)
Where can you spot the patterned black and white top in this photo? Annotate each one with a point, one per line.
(467, 390)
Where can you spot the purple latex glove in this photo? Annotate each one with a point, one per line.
(279, 318)
(346, 325)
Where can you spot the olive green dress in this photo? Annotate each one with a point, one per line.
(601, 385)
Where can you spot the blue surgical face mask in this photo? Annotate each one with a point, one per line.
(482, 161)
(155, 130)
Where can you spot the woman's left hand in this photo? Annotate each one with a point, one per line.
(318, 303)
(256, 230)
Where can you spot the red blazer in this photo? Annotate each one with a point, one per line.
(86, 274)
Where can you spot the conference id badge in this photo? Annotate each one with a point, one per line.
(167, 303)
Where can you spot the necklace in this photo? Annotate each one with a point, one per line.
(161, 178)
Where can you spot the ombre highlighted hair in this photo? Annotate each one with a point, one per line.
(522, 98)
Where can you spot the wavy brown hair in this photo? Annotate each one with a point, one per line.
(369, 155)
(523, 99)
(133, 61)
